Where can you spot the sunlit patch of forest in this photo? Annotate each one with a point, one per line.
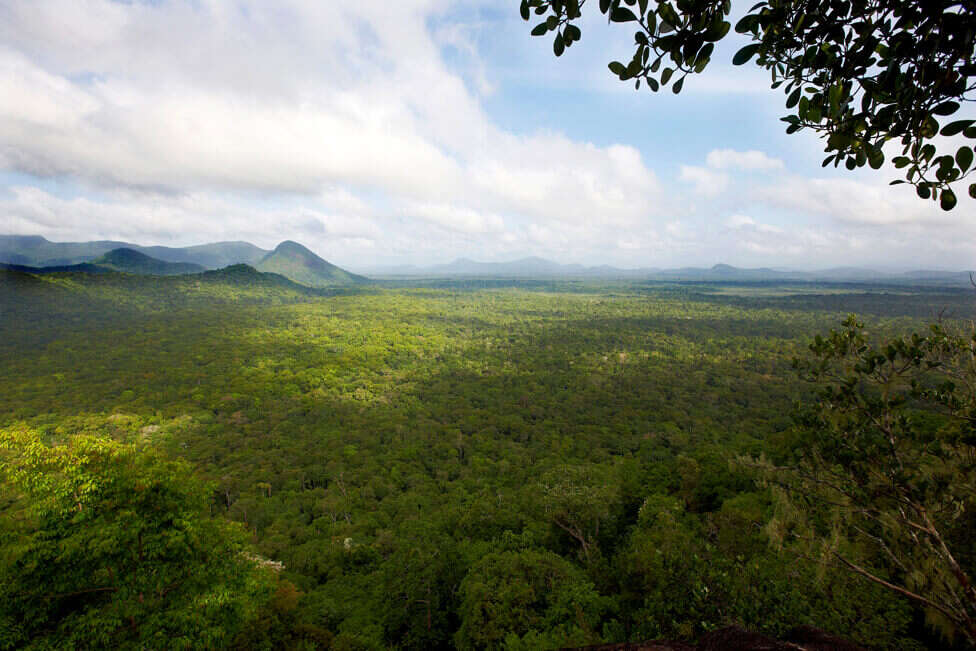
(469, 464)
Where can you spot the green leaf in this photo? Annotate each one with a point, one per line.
(668, 14)
(676, 88)
(793, 98)
(972, 190)
(964, 158)
(747, 24)
(617, 68)
(540, 29)
(875, 157)
(524, 9)
(746, 53)
(955, 128)
(948, 199)
(558, 45)
(946, 108)
(717, 31)
(622, 15)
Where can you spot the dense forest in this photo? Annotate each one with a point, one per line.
(440, 464)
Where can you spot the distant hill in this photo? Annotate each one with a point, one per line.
(84, 267)
(134, 262)
(211, 256)
(118, 260)
(540, 268)
(531, 267)
(36, 251)
(294, 261)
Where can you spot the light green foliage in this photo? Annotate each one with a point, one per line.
(383, 444)
(110, 546)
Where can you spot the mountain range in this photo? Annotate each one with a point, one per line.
(34, 254)
(299, 264)
(534, 267)
(36, 251)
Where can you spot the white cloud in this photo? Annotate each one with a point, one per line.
(295, 98)
(457, 218)
(349, 129)
(707, 183)
(730, 159)
(853, 202)
(738, 221)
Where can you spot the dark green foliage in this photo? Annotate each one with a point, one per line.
(439, 449)
(889, 462)
(860, 73)
(134, 262)
(528, 599)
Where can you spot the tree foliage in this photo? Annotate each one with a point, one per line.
(889, 464)
(860, 73)
(113, 547)
(415, 456)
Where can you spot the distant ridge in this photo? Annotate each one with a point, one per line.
(117, 260)
(534, 267)
(297, 263)
(37, 251)
(134, 262)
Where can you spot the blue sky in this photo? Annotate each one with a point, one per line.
(418, 133)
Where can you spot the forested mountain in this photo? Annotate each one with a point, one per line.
(36, 251)
(134, 262)
(294, 261)
(117, 260)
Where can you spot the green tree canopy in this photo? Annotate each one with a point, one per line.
(860, 73)
(108, 545)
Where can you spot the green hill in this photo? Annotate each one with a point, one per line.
(36, 251)
(294, 261)
(134, 262)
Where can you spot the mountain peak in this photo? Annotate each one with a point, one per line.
(136, 262)
(292, 247)
(296, 262)
(724, 268)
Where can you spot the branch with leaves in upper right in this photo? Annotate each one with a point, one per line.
(860, 73)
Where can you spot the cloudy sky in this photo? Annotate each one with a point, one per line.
(418, 131)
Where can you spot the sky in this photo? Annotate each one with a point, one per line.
(417, 132)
